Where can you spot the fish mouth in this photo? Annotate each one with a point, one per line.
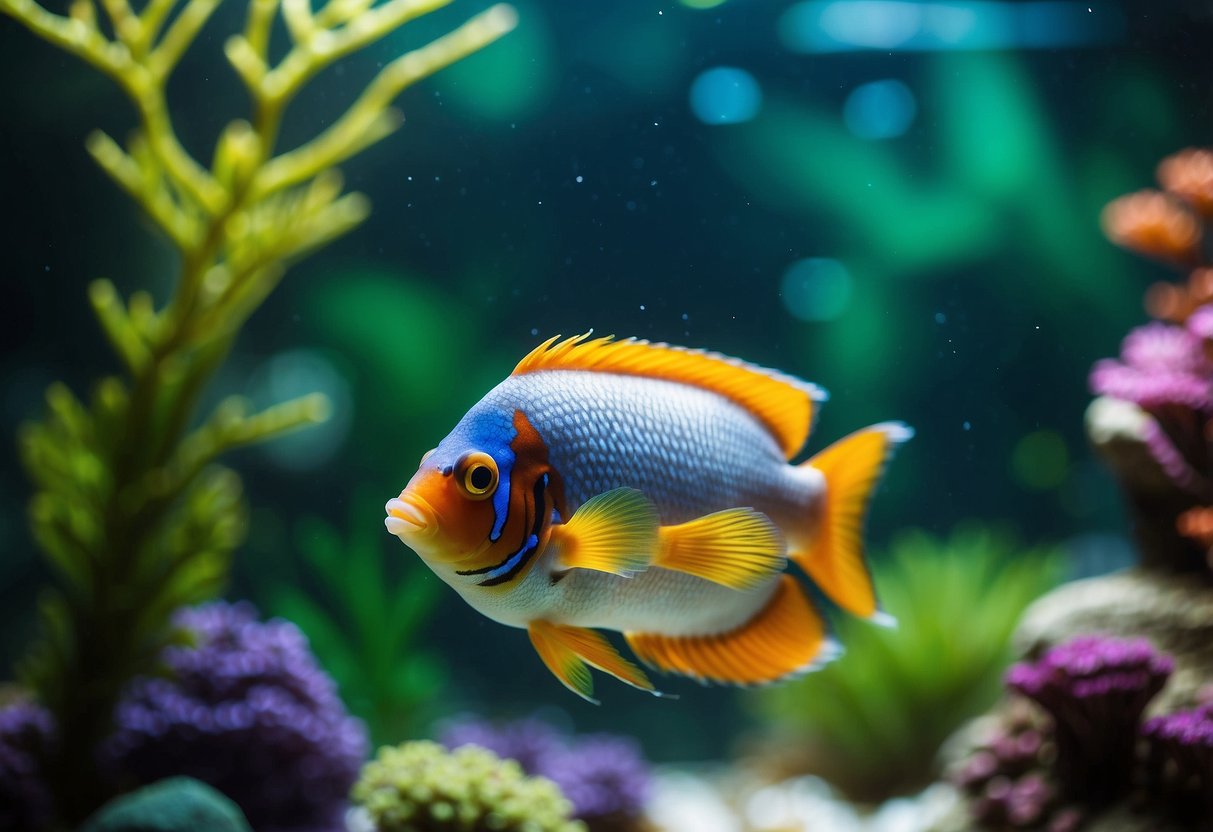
(410, 517)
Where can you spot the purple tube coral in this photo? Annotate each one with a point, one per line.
(1164, 370)
(1007, 778)
(249, 711)
(26, 735)
(1159, 365)
(526, 741)
(1095, 689)
(1180, 765)
(606, 777)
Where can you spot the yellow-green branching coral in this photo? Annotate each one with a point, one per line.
(130, 507)
(422, 787)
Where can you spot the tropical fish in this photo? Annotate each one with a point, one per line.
(645, 488)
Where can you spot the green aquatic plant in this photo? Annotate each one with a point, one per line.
(362, 618)
(873, 722)
(422, 787)
(130, 508)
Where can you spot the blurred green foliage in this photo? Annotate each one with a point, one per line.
(872, 722)
(362, 618)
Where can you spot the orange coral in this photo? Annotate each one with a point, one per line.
(1154, 224)
(1197, 524)
(1176, 301)
(1188, 175)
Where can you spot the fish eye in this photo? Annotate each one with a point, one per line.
(477, 475)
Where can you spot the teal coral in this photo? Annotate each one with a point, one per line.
(873, 722)
(422, 787)
(130, 508)
(179, 804)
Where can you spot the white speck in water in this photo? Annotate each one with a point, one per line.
(967, 425)
(642, 307)
(409, 178)
(47, 267)
(535, 331)
(580, 179)
(941, 318)
(685, 316)
(541, 202)
(653, 184)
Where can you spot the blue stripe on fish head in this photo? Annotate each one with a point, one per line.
(490, 431)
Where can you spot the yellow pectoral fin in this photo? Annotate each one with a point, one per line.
(738, 548)
(612, 532)
(568, 650)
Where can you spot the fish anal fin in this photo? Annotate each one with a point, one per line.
(786, 637)
(615, 532)
(738, 548)
(785, 405)
(835, 560)
(569, 652)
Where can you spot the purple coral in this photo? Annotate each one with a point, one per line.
(249, 711)
(26, 736)
(1180, 764)
(526, 741)
(1095, 689)
(606, 777)
(1006, 777)
(1159, 365)
(1166, 371)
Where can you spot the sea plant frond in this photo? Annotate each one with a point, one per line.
(130, 508)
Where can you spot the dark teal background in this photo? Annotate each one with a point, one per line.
(982, 287)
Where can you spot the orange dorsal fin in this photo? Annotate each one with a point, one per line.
(785, 405)
(785, 638)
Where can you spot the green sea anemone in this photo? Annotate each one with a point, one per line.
(422, 787)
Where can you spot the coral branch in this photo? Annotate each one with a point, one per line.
(369, 119)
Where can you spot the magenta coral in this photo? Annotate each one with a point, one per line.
(1159, 365)
(1095, 689)
(1181, 761)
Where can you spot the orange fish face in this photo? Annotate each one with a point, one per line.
(481, 503)
(437, 517)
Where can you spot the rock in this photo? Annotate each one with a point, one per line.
(179, 804)
(1118, 430)
(1174, 611)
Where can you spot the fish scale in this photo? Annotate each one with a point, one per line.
(690, 451)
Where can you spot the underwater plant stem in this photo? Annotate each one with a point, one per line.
(130, 509)
(369, 118)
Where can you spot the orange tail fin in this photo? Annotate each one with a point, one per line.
(852, 466)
